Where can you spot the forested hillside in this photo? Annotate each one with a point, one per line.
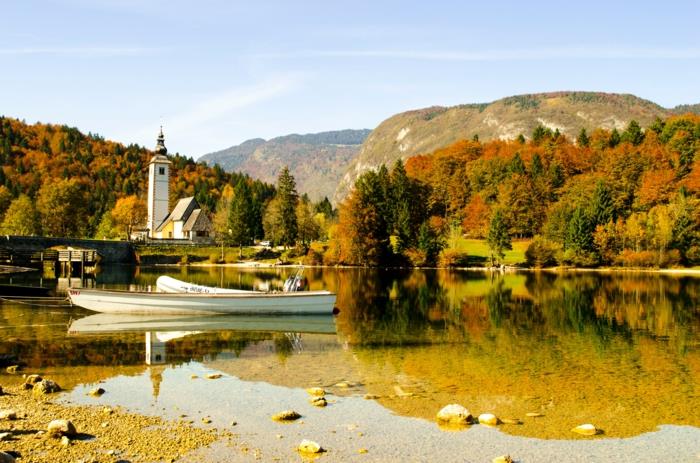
(425, 130)
(70, 180)
(628, 197)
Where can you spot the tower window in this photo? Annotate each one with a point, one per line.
(161, 171)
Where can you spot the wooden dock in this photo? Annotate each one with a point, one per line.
(69, 261)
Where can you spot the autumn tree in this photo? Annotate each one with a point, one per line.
(21, 218)
(128, 213)
(61, 208)
(308, 228)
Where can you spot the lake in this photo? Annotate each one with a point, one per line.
(619, 350)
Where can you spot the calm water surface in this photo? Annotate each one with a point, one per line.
(621, 351)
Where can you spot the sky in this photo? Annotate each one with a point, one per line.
(216, 73)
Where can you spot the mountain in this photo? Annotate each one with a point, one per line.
(317, 161)
(425, 130)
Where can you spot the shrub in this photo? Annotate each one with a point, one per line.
(541, 253)
(313, 257)
(416, 257)
(630, 258)
(266, 253)
(450, 258)
(578, 258)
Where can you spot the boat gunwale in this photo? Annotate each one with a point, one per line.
(122, 292)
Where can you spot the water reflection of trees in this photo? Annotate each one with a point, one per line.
(404, 307)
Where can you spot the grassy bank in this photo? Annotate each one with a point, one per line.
(480, 254)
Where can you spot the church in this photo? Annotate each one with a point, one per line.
(186, 221)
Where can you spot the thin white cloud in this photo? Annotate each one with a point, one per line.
(212, 114)
(80, 51)
(577, 52)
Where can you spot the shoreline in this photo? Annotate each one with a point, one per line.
(506, 269)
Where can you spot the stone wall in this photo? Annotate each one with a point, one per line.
(111, 252)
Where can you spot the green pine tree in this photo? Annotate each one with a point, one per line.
(498, 238)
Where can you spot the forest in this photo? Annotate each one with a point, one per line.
(627, 198)
(57, 181)
(608, 198)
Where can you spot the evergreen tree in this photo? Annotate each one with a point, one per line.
(602, 206)
(579, 232)
(633, 134)
(583, 139)
(324, 207)
(288, 198)
(498, 238)
(536, 167)
(240, 216)
(614, 139)
(516, 165)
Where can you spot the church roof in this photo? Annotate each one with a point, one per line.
(182, 211)
(198, 221)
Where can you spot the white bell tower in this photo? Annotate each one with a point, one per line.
(158, 186)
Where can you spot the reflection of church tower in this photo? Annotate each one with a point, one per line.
(155, 349)
(158, 185)
(156, 378)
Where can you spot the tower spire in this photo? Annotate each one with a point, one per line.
(160, 144)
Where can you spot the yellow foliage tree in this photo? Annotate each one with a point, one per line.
(129, 212)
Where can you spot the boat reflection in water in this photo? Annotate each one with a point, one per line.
(160, 329)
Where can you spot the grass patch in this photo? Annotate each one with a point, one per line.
(480, 254)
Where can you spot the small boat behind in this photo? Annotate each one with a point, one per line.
(168, 284)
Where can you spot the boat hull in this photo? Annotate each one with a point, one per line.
(308, 302)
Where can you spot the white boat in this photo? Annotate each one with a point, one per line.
(106, 323)
(168, 284)
(257, 303)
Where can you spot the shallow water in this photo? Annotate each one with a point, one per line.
(621, 351)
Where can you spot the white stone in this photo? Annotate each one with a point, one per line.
(309, 446)
(586, 429)
(454, 414)
(488, 419)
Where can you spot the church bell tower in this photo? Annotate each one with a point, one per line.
(158, 186)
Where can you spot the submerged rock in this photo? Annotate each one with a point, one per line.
(511, 421)
(45, 386)
(534, 414)
(309, 446)
(60, 428)
(316, 391)
(98, 391)
(5, 436)
(12, 369)
(371, 396)
(488, 419)
(6, 458)
(31, 380)
(214, 376)
(287, 415)
(319, 402)
(454, 414)
(586, 430)
(8, 415)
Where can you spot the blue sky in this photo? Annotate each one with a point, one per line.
(216, 73)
